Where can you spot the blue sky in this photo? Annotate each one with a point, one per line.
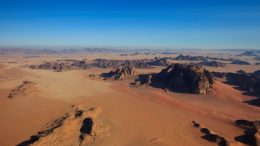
(130, 23)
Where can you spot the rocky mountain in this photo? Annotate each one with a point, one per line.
(120, 73)
(180, 78)
(191, 58)
(251, 134)
(257, 58)
(218, 74)
(221, 59)
(240, 62)
(248, 53)
(212, 64)
(249, 82)
(62, 65)
(159, 62)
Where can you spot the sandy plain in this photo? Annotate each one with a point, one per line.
(142, 116)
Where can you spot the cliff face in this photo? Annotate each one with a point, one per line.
(120, 73)
(245, 81)
(191, 58)
(181, 78)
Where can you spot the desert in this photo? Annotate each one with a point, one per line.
(82, 103)
(129, 73)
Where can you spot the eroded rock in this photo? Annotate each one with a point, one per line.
(211, 136)
(81, 126)
(251, 134)
(120, 73)
(212, 64)
(240, 62)
(191, 58)
(25, 88)
(181, 78)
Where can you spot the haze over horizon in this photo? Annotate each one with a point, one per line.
(163, 24)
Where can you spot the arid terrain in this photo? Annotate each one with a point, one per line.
(102, 97)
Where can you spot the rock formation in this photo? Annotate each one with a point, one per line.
(248, 53)
(107, 63)
(251, 134)
(158, 62)
(70, 64)
(245, 81)
(240, 62)
(221, 59)
(212, 63)
(218, 74)
(120, 73)
(78, 127)
(257, 58)
(211, 136)
(241, 71)
(181, 78)
(62, 65)
(191, 58)
(27, 87)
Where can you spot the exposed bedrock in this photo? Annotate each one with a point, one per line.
(120, 73)
(180, 78)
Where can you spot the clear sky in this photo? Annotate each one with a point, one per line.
(130, 23)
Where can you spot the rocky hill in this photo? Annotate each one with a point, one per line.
(120, 73)
(248, 53)
(180, 78)
(191, 58)
(212, 64)
(62, 65)
(240, 62)
(249, 82)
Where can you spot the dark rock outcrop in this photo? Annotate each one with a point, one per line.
(210, 136)
(256, 73)
(212, 64)
(110, 63)
(248, 53)
(246, 82)
(241, 71)
(251, 134)
(180, 78)
(191, 58)
(86, 128)
(56, 124)
(120, 73)
(240, 62)
(158, 62)
(218, 74)
(221, 59)
(70, 64)
(257, 58)
(62, 65)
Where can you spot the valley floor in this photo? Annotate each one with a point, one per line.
(131, 116)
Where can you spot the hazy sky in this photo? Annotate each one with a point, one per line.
(132, 23)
